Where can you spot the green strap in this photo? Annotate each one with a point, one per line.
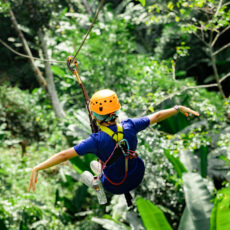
(117, 136)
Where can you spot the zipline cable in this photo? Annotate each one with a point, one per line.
(74, 70)
(90, 28)
(52, 60)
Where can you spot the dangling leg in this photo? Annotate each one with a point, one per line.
(94, 181)
(96, 167)
(87, 178)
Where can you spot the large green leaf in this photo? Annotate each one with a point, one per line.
(220, 217)
(109, 223)
(177, 165)
(189, 160)
(142, 2)
(58, 71)
(203, 160)
(218, 163)
(152, 217)
(198, 201)
(186, 221)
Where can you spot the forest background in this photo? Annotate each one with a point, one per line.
(154, 54)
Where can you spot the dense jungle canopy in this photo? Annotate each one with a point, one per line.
(155, 55)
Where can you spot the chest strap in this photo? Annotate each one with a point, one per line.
(116, 136)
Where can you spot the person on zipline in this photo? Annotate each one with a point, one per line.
(120, 170)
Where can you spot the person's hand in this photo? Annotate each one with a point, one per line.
(33, 179)
(186, 111)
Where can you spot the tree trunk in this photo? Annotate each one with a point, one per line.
(87, 8)
(213, 60)
(47, 85)
(36, 70)
(49, 77)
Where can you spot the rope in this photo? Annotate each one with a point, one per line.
(90, 28)
(27, 56)
(55, 61)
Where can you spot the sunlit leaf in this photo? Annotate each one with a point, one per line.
(175, 161)
(142, 2)
(198, 201)
(220, 217)
(152, 217)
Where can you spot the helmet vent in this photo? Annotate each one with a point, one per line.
(104, 102)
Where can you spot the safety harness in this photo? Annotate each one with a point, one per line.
(121, 149)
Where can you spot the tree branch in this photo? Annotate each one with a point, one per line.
(187, 88)
(226, 4)
(219, 34)
(36, 70)
(218, 8)
(27, 56)
(225, 77)
(49, 77)
(215, 70)
(87, 8)
(173, 70)
(221, 49)
(201, 39)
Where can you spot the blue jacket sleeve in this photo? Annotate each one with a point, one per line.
(141, 123)
(87, 146)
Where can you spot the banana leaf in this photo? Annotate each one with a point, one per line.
(177, 165)
(109, 223)
(220, 217)
(203, 161)
(198, 202)
(186, 221)
(218, 163)
(152, 217)
(189, 160)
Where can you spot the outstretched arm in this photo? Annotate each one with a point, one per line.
(54, 160)
(164, 114)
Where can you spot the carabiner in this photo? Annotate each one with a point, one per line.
(123, 151)
(72, 60)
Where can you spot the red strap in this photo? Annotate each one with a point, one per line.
(126, 172)
(129, 155)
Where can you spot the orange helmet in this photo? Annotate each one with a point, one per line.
(104, 102)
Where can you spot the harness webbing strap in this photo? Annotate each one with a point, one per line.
(116, 136)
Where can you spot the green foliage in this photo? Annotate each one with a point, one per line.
(4, 6)
(142, 2)
(178, 166)
(203, 161)
(35, 14)
(221, 211)
(109, 223)
(126, 55)
(198, 201)
(152, 216)
(17, 116)
(18, 208)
